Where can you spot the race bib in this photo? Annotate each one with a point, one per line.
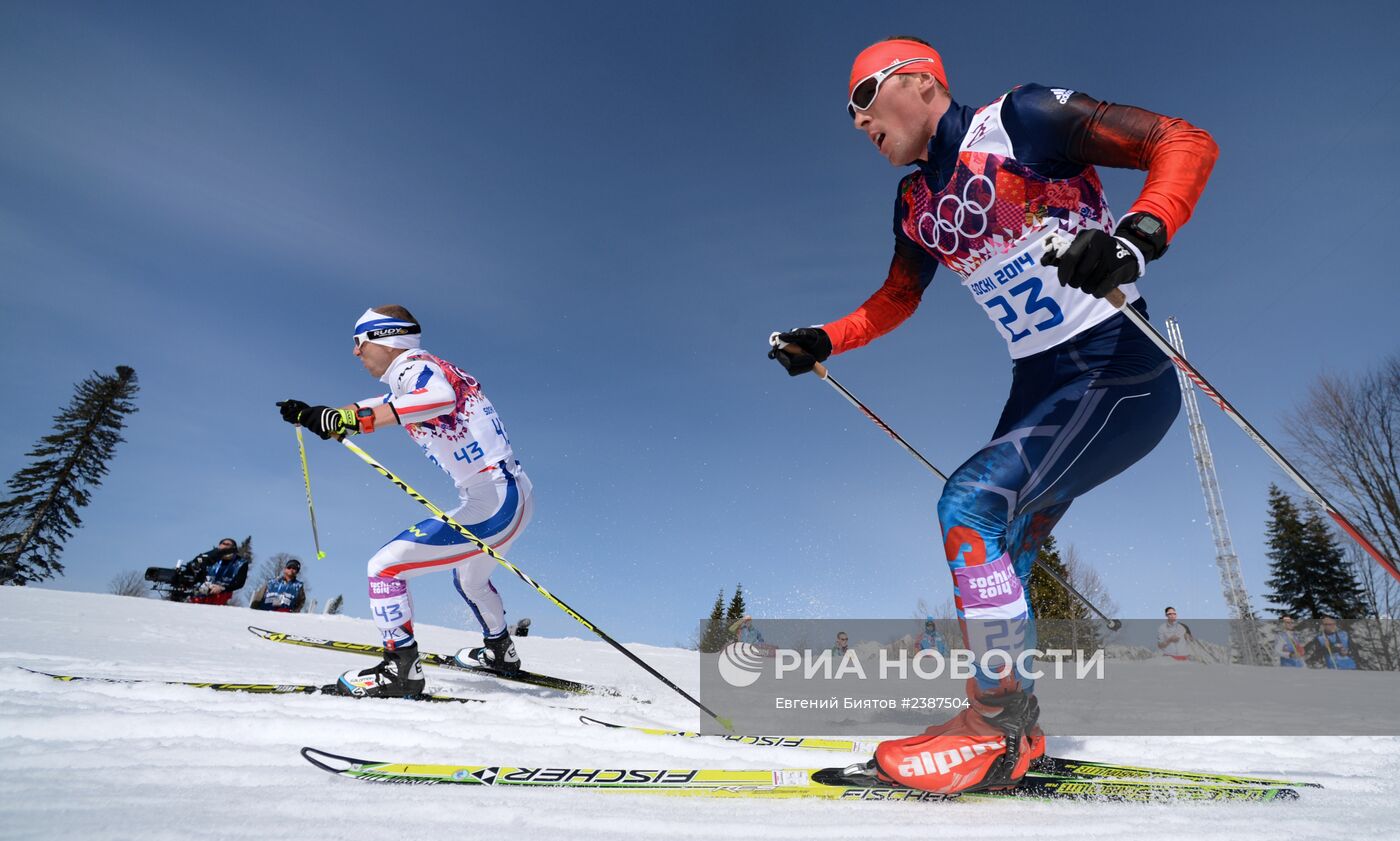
(1031, 308)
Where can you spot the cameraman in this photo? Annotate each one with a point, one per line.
(224, 572)
(285, 594)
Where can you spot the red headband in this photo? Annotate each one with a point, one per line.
(882, 54)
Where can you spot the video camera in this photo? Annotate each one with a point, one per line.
(181, 582)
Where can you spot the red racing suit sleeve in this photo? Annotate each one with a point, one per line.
(1177, 156)
(911, 269)
(1057, 132)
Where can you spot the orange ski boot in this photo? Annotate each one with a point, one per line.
(988, 745)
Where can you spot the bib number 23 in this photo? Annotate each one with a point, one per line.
(1022, 300)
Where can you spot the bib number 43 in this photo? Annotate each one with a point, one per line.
(469, 454)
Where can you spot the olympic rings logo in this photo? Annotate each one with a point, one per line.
(968, 218)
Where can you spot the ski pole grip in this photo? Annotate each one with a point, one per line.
(1059, 241)
(817, 368)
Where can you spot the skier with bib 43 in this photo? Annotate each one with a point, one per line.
(1090, 394)
(445, 412)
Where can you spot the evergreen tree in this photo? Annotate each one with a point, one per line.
(1288, 561)
(716, 632)
(333, 607)
(1309, 575)
(1051, 601)
(1343, 596)
(1062, 621)
(42, 510)
(245, 551)
(737, 609)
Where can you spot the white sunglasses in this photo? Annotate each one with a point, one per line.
(864, 93)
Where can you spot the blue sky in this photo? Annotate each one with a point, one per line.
(601, 211)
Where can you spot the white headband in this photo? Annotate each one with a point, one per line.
(388, 331)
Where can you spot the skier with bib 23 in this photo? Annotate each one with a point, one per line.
(1090, 394)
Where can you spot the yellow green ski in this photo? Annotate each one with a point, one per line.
(441, 661)
(1053, 765)
(821, 783)
(255, 688)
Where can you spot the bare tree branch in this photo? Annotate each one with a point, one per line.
(131, 583)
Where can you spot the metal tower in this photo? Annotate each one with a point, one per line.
(1244, 626)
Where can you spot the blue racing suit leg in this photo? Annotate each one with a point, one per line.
(1079, 414)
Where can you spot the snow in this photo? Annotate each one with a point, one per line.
(124, 761)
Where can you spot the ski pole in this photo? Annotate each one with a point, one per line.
(1058, 242)
(310, 508)
(825, 375)
(442, 516)
(1113, 624)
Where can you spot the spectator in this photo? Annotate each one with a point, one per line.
(224, 573)
(932, 639)
(1287, 646)
(744, 631)
(841, 646)
(1333, 646)
(285, 593)
(522, 628)
(1173, 638)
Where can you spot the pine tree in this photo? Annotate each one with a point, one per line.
(245, 550)
(1342, 594)
(1062, 621)
(1310, 577)
(42, 510)
(737, 609)
(333, 607)
(1050, 600)
(715, 633)
(1288, 561)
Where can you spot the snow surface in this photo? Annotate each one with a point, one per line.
(99, 760)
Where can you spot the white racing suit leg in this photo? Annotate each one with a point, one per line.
(496, 512)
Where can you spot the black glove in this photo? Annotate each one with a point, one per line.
(815, 345)
(1098, 263)
(323, 421)
(291, 410)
